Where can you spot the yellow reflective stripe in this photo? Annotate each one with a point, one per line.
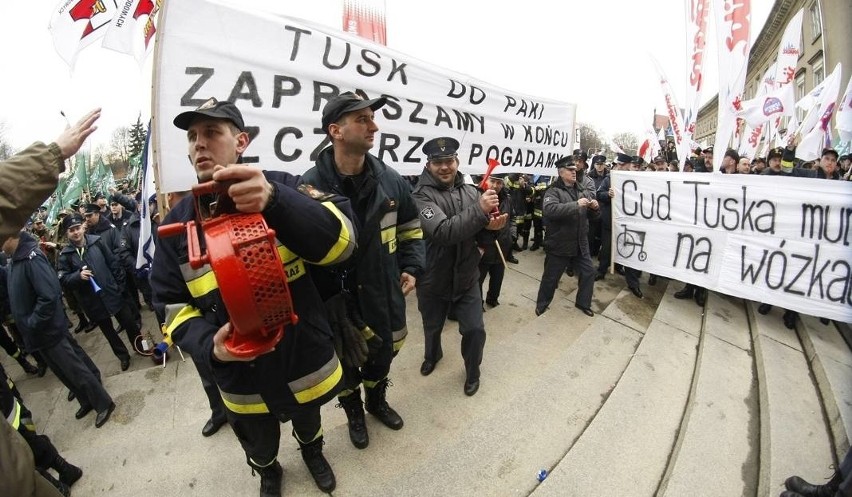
(415, 234)
(305, 442)
(202, 285)
(318, 383)
(388, 234)
(294, 266)
(177, 314)
(399, 338)
(244, 404)
(14, 417)
(344, 246)
(537, 212)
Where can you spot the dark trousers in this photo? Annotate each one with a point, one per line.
(208, 382)
(468, 310)
(44, 452)
(846, 474)
(495, 273)
(554, 268)
(632, 277)
(605, 255)
(75, 369)
(538, 230)
(115, 343)
(260, 434)
(374, 370)
(595, 231)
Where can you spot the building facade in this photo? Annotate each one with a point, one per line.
(826, 26)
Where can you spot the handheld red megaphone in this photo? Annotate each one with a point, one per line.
(483, 185)
(243, 254)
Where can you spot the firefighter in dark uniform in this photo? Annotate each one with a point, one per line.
(568, 205)
(389, 256)
(302, 372)
(632, 275)
(452, 215)
(537, 214)
(519, 191)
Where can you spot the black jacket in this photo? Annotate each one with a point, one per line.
(303, 368)
(107, 273)
(488, 238)
(390, 240)
(451, 220)
(567, 233)
(35, 296)
(111, 238)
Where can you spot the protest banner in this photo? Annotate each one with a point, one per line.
(280, 72)
(782, 241)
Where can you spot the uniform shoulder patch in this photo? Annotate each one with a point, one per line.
(314, 193)
(427, 213)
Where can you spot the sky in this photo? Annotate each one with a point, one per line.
(594, 54)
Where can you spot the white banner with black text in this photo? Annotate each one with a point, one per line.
(776, 240)
(280, 72)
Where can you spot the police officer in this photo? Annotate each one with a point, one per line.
(568, 206)
(537, 216)
(302, 372)
(390, 252)
(452, 214)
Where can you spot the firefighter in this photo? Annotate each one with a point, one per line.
(302, 372)
(389, 256)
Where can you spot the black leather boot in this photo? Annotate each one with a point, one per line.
(686, 293)
(354, 409)
(271, 479)
(377, 405)
(68, 473)
(63, 488)
(25, 364)
(805, 489)
(318, 466)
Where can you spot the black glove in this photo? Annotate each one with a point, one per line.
(349, 342)
(374, 342)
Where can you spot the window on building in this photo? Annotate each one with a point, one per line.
(816, 20)
(800, 92)
(819, 71)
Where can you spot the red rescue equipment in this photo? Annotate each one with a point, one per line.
(242, 251)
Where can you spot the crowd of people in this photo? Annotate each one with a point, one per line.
(364, 239)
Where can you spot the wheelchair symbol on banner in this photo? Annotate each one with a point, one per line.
(627, 241)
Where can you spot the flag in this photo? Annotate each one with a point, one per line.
(816, 130)
(844, 114)
(76, 24)
(365, 18)
(76, 184)
(675, 119)
(789, 50)
(777, 103)
(615, 148)
(696, 40)
(733, 25)
(145, 251)
(132, 29)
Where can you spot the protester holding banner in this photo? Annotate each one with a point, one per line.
(383, 270)
(302, 372)
(604, 194)
(452, 215)
(568, 205)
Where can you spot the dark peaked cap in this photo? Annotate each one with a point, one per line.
(345, 103)
(211, 108)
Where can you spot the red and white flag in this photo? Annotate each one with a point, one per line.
(733, 26)
(789, 51)
(76, 24)
(672, 108)
(844, 114)
(697, 12)
(365, 18)
(775, 104)
(133, 27)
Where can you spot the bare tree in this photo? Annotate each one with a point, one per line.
(590, 138)
(627, 141)
(118, 155)
(6, 149)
